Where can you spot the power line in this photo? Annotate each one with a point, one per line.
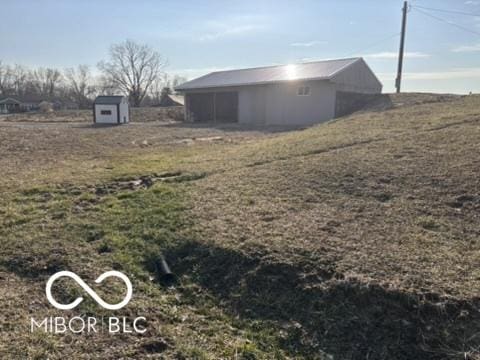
(373, 45)
(447, 21)
(445, 10)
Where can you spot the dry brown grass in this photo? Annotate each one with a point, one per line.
(357, 238)
(368, 188)
(42, 151)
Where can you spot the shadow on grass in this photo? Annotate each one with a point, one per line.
(32, 267)
(324, 312)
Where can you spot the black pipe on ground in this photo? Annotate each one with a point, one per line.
(164, 273)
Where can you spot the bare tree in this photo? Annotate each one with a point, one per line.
(14, 80)
(133, 68)
(155, 90)
(164, 85)
(105, 86)
(21, 79)
(177, 80)
(79, 85)
(5, 79)
(47, 80)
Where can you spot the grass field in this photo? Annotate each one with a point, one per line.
(353, 239)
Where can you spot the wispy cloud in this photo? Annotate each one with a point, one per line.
(308, 43)
(228, 31)
(471, 2)
(450, 74)
(394, 55)
(233, 26)
(467, 48)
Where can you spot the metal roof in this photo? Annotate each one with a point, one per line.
(107, 100)
(270, 74)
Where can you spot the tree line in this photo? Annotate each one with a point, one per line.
(132, 69)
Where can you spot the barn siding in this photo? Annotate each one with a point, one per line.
(251, 105)
(357, 78)
(285, 107)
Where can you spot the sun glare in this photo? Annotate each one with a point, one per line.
(291, 71)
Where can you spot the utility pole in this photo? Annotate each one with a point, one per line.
(398, 80)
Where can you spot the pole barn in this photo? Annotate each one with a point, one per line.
(298, 94)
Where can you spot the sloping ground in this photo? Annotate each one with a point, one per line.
(389, 101)
(353, 239)
(374, 187)
(364, 231)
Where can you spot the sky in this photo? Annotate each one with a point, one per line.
(197, 37)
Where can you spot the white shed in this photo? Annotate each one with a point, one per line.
(111, 110)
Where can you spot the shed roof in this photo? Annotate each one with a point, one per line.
(108, 100)
(317, 70)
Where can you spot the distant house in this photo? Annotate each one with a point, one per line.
(168, 100)
(10, 105)
(111, 110)
(14, 104)
(280, 95)
(31, 103)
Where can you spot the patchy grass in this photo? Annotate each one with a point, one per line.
(125, 230)
(353, 239)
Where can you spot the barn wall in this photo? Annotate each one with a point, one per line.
(105, 119)
(285, 107)
(251, 105)
(357, 78)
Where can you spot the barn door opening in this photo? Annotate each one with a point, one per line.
(226, 106)
(201, 106)
(218, 107)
